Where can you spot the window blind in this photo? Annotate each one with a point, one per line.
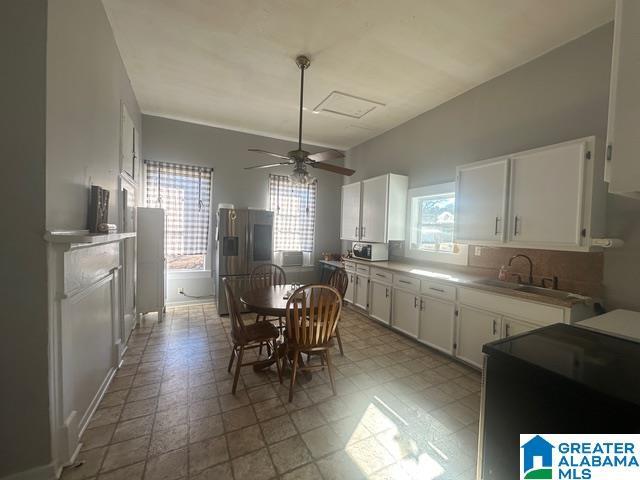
(184, 191)
(294, 208)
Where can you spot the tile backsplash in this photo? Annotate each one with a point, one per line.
(578, 272)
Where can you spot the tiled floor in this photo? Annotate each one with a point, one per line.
(402, 411)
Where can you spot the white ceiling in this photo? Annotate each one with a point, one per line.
(230, 63)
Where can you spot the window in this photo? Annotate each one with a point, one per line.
(294, 208)
(185, 194)
(431, 225)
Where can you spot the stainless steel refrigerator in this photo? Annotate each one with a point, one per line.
(244, 241)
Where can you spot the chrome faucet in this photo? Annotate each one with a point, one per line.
(520, 255)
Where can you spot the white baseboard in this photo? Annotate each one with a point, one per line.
(43, 472)
(194, 301)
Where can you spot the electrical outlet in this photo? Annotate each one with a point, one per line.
(477, 251)
(181, 291)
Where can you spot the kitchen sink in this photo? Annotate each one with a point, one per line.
(499, 283)
(547, 292)
(518, 287)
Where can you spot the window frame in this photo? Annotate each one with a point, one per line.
(459, 257)
(308, 258)
(208, 258)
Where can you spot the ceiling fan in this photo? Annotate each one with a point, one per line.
(300, 158)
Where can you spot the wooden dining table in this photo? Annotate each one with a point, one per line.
(270, 301)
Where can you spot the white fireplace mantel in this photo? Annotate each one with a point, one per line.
(86, 329)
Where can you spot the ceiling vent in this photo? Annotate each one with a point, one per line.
(347, 105)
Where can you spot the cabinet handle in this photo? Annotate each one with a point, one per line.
(495, 325)
(380, 275)
(495, 229)
(609, 152)
(415, 302)
(515, 226)
(506, 330)
(364, 230)
(421, 304)
(436, 289)
(356, 232)
(386, 293)
(404, 281)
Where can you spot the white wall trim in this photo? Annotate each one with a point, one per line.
(194, 301)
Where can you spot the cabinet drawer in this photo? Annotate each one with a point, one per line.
(350, 266)
(364, 269)
(438, 290)
(380, 275)
(406, 283)
(537, 313)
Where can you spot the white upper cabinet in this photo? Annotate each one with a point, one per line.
(622, 168)
(350, 224)
(481, 201)
(381, 209)
(547, 195)
(549, 198)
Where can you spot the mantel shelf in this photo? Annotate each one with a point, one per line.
(83, 237)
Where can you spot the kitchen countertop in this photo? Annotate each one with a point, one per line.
(463, 279)
(596, 360)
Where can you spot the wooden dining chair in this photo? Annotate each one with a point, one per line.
(340, 281)
(245, 337)
(312, 314)
(263, 276)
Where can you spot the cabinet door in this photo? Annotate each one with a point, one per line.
(622, 168)
(380, 304)
(374, 209)
(547, 195)
(362, 292)
(436, 323)
(512, 327)
(349, 295)
(350, 224)
(475, 328)
(481, 199)
(406, 312)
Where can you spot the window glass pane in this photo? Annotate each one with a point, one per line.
(294, 208)
(185, 262)
(184, 192)
(434, 223)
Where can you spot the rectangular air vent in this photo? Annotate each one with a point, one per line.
(347, 105)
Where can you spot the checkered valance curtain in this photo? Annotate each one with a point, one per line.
(184, 192)
(294, 207)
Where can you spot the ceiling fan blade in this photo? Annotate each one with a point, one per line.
(277, 155)
(326, 155)
(268, 166)
(333, 168)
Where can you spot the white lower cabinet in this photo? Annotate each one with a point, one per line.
(380, 303)
(361, 297)
(406, 311)
(512, 326)
(475, 328)
(437, 320)
(351, 288)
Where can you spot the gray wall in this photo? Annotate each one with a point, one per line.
(559, 96)
(24, 415)
(61, 87)
(226, 151)
(86, 81)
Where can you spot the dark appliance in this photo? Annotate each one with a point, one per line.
(556, 379)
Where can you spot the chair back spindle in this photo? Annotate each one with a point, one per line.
(312, 315)
(267, 275)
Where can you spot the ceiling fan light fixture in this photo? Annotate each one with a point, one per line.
(300, 176)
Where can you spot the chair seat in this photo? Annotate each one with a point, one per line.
(261, 331)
